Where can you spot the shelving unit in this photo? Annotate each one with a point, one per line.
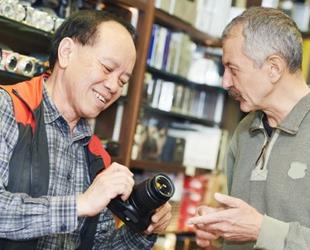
(175, 23)
(179, 116)
(10, 78)
(182, 80)
(157, 166)
(23, 38)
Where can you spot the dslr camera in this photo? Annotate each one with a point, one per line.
(146, 196)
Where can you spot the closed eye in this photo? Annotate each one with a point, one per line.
(123, 82)
(107, 69)
(233, 71)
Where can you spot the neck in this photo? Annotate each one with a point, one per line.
(56, 84)
(287, 93)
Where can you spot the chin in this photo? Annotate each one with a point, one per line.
(245, 108)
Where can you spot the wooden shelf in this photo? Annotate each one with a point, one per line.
(306, 35)
(180, 116)
(175, 23)
(157, 166)
(24, 38)
(7, 78)
(181, 80)
(139, 4)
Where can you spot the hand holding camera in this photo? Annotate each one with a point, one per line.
(160, 220)
(146, 204)
(116, 180)
(142, 207)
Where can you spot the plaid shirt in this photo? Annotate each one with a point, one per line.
(53, 218)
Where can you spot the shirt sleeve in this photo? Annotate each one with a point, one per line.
(279, 235)
(24, 217)
(108, 237)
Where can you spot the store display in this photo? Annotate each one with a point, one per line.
(39, 19)
(25, 13)
(9, 60)
(20, 64)
(26, 66)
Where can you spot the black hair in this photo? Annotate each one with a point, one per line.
(82, 26)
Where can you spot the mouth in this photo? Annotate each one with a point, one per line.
(234, 94)
(100, 97)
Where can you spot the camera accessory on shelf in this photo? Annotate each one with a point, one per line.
(9, 60)
(19, 64)
(26, 66)
(146, 196)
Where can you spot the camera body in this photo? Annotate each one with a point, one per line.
(146, 196)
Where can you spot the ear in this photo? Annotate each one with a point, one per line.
(276, 67)
(65, 50)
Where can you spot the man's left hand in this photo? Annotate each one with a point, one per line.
(160, 219)
(238, 221)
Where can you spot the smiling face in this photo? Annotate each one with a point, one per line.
(246, 82)
(94, 75)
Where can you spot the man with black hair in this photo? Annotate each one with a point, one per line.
(53, 192)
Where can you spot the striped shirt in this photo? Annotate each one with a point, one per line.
(53, 218)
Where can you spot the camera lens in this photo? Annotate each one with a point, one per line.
(162, 185)
(148, 195)
(152, 193)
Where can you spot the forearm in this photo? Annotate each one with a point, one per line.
(24, 217)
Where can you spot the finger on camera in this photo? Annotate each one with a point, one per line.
(119, 167)
(164, 219)
(161, 211)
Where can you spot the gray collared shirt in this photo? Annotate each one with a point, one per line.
(275, 182)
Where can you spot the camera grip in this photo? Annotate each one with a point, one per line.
(128, 214)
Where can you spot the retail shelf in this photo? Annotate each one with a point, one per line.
(306, 35)
(23, 38)
(10, 78)
(157, 166)
(181, 80)
(175, 23)
(180, 116)
(139, 4)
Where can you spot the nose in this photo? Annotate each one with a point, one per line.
(111, 83)
(227, 80)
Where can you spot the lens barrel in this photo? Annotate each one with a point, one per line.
(146, 196)
(151, 193)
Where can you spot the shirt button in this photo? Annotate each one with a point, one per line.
(68, 177)
(63, 228)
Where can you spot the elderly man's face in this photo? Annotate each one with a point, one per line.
(245, 81)
(96, 74)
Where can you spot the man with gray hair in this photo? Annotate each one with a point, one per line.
(268, 161)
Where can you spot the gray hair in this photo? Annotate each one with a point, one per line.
(269, 31)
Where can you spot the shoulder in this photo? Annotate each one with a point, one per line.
(6, 105)
(8, 125)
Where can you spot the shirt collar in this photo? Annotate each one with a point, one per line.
(51, 114)
(291, 122)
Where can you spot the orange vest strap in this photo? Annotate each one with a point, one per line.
(26, 97)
